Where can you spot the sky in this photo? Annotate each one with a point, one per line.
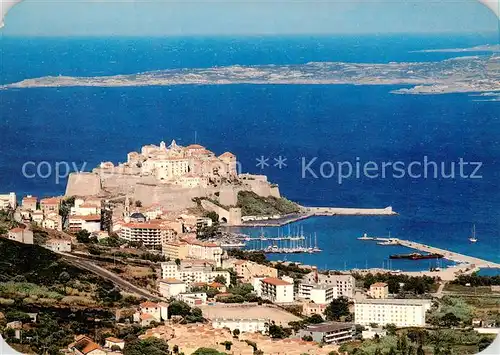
(245, 17)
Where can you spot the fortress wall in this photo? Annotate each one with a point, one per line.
(172, 198)
(228, 196)
(275, 191)
(83, 184)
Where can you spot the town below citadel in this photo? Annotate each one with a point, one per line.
(147, 246)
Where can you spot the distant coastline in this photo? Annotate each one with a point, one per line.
(457, 75)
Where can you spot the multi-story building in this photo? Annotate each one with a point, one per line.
(379, 290)
(171, 287)
(204, 251)
(90, 223)
(401, 312)
(308, 309)
(317, 293)
(191, 272)
(52, 221)
(175, 250)
(8, 201)
(58, 245)
(345, 283)
(21, 235)
(276, 290)
(50, 205)
(194, 299)
(329, 332)
(29, 203)
(86, 207)
(246, 270)
(151, 233)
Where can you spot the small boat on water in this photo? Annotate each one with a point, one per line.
(416, 256)
(473, 238)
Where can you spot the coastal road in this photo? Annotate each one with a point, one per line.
(108, 275)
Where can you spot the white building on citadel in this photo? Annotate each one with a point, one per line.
(190, 166)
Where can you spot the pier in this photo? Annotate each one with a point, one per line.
(447, 254)
(309, 212)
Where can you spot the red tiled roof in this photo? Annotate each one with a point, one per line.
(148, 304)
(145, 316)
(92, 217)
(276, 282)
(16, 230)
(171, 281)
(114, 340)
(379, 284)
(215, 284)
(32, 198)
(50, 201)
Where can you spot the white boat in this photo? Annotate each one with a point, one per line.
(473, 238)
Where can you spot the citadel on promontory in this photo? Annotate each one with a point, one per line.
(173, 176)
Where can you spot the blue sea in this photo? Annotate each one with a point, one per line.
(332, 123)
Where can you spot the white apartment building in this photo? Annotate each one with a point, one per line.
(379, 290)
(58, 245)
(171, 287)
(21, 235)
(318, 293)
(205, 251)
(194, 299)
(329, 332)
(90, 223)
(245, 325)
(276, 290)
(8, 201)
(192, 272)
(345, 283)
(401, 312)
(85, 208)
(150, 234)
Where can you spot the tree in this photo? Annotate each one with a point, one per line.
(64, 278)
(150, 346)
(420, 351)
(484, 343)
(278, 332)
(175, 349)
(138, 203)
(213, 216)
(178, 262)
(307, 338)
(83, 236)
(178, 308)
(227, 345)
(236, 332)
(378, 351)
(337, 308)
(450, 320)
(315, 319)
(391, 329)
(220, 279)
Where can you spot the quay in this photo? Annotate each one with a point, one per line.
(309, 212)
(447, 254)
